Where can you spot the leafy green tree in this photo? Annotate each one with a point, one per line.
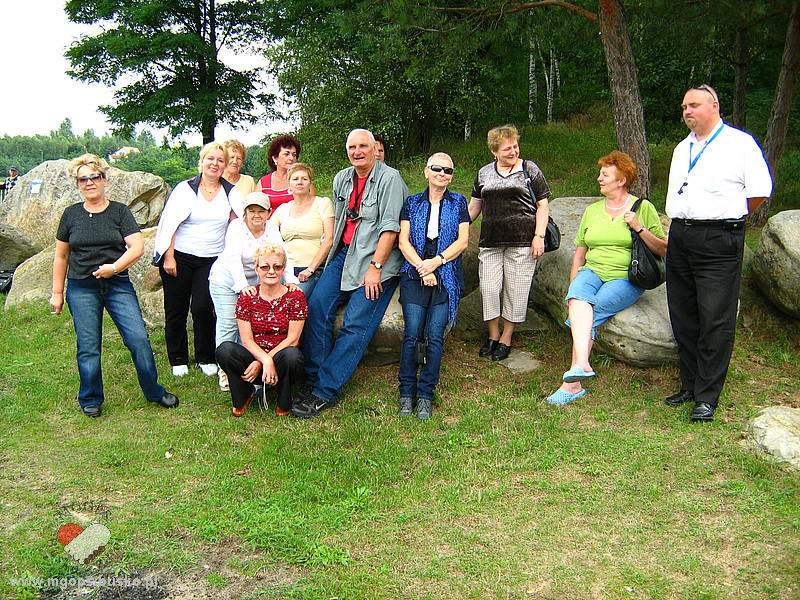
(166, 56)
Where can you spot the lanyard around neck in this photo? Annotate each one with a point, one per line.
(692, 163)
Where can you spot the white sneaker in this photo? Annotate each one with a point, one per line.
(223, 381)
(208, 369)
(180, 370)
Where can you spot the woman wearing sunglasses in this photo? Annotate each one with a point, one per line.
(234, 271)
(96, 242)
(270, 324)
(434, 231)
(513, 196)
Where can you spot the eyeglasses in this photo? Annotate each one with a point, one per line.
(92, 178)
(271, 267)
(441, 169)
(707, 88)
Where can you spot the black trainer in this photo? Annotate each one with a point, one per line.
(313, 407)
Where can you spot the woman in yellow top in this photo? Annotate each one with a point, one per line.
(599, 286)
(306, 226)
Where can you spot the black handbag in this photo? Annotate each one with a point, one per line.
(647, 270)
(421, 345)
(552, 235)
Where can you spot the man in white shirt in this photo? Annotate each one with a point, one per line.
(717, 176)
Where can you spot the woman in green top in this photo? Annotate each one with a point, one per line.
(599, 286)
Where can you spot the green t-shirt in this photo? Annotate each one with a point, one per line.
(609, 240)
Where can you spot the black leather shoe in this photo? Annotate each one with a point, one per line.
(702, 411)
(488, 347)
(501, 352)
(168, 400)
(679, 398)
(92, 410)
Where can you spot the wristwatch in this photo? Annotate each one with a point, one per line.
(376, 264)
(444, 260)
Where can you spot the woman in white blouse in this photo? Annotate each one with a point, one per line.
(234, 272)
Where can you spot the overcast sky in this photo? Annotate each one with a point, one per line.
(37, 95)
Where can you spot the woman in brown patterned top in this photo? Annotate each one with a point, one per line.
(513, 196)
(270, 325)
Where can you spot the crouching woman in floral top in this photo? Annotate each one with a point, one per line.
(270, 324)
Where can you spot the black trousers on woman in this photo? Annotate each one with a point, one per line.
(234, 358)
(189, 288)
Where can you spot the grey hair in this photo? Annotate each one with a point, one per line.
(367, 131)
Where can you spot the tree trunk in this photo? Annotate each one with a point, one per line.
(740, 79)
(779, 115)
(532, 91)
(624, 85)
(552, 84)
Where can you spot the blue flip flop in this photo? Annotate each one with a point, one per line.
(576, 374)
(560, 397)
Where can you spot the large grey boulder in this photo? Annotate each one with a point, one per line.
(640, 335)
(774, 434)
(34, 207)
(776, 266)
(15, 247)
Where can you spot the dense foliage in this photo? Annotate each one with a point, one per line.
(173, 163)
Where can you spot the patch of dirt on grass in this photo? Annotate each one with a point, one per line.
(219, 577)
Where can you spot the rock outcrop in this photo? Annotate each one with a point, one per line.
(774, 434)
(776, 265)
(639, 335)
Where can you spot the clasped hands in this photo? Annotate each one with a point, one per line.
(267, 369)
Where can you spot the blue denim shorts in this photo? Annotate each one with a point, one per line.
(607, 299)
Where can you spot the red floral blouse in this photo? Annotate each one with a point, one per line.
(270, 318)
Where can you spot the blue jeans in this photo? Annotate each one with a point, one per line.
(414, 316)
(225, 299)
(329, 365)
(607, 299)
(308, 286)
(86, 299)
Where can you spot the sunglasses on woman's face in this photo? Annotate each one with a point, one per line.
(440, 169)
(93, 178)
(272, 267)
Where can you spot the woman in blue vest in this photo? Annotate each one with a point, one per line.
(434, 231)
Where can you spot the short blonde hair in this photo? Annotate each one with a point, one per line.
(301, 167)
(269, 249)
(88, 160)
(497, 135)
(208, 148)
(237, 146)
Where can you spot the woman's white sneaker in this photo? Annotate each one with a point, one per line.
(208, 369)
(180, 370)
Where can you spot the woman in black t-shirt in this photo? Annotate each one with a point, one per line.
(97, 241)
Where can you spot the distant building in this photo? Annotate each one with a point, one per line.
(123, 152)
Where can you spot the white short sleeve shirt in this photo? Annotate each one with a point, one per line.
(730, 170)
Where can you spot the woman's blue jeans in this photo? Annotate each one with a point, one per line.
(308, 286)
(414, 316)
(86, 299)
(607, 299)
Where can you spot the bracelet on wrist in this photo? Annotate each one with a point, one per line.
(539, 235)
(641, 230)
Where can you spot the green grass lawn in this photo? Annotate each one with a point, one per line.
(498, 496)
